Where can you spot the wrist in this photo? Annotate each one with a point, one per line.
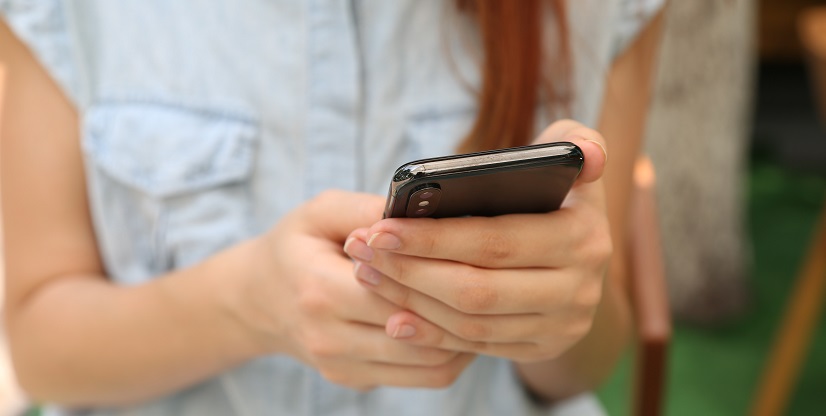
(239, 299)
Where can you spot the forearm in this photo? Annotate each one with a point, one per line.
(587, 364)
(84, 341)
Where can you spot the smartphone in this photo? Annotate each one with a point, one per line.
(527, 179)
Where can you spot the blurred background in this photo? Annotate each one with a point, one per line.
(738, 139)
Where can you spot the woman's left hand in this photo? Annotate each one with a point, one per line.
(523, 286)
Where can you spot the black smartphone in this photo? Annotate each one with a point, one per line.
(527, 179)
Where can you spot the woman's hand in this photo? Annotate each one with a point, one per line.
(304, 302)
(525, 287)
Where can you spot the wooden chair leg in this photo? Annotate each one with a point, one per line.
(806, 301)
(796, 329)
(649, 297)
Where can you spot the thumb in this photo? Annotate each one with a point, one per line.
(588, 187)
(595, 155)
(588, 140)
(334, 214)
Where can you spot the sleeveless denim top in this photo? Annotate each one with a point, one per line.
(205, 121)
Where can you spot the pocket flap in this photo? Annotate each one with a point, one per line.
(165, 150)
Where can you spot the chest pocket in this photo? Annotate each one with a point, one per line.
(169, 185)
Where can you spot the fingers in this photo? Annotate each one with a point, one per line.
(462, 331)
(408, 282)
(369, 375)
(554, 239)
(428, 334)
(335, 294)
(522, 337)
(371, 343)
(334, 214)
(348, 321)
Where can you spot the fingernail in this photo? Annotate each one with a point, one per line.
(367, 274)
(604, 152)
(356, 249)
(384, 241)
(347, 244)
(404, 331)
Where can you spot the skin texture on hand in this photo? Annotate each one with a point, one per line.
(467, 327)
(304, 300)
(523, 287)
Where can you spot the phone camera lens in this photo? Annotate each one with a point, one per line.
(424, 201)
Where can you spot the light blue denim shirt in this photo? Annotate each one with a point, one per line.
(205, 121)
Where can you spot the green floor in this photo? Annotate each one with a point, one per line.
(714, 372)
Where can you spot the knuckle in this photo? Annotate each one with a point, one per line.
(544, 354)
(480, 347)
(443, 376)
(435, 357)
(427, 243)
(401, 271)
(476, 295)
(404, 297)
(588, 296)
(319, 347)
(579, 328)
(472, 330)
(347, 379)
(603, 246)
(584, 221)
(437, 340)
(326, 197)
(539, 352)
(534, 354)
(316, 206)
(314, 302)
(495, 247)
(595, 244)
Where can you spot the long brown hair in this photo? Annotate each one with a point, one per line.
(515, 75)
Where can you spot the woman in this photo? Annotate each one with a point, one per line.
(173, 246)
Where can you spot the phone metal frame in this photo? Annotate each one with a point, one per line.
(558, 153)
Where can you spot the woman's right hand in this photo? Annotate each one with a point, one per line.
(302, 300)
